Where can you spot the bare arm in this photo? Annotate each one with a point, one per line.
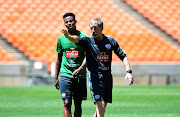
(76, 73)
(58, 66)
(127, 67)
(73, 38)
(126, 64)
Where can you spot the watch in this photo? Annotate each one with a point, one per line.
(129, 71)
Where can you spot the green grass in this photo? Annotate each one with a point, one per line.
(128, 101)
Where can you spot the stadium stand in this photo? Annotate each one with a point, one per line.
(33, 26)
(6, 57)
(163, 13)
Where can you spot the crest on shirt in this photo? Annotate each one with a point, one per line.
(108, 46)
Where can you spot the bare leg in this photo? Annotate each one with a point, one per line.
(78, 108)
(104, 105)
(100, 108)
(67, 107)
(95, 114)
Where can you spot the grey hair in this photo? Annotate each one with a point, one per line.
(97, 20)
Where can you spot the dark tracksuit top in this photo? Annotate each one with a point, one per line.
(99, 53)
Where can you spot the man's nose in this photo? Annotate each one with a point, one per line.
(69, 23)
(93, 30)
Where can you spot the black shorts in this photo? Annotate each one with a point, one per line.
(73, 88)
(101, 87)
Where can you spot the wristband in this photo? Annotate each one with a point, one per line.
(129, 71)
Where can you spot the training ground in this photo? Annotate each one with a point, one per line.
(128, 101)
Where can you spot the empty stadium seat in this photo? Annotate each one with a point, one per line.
(164, 13)
(33, 26)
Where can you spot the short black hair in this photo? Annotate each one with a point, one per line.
(69, 14)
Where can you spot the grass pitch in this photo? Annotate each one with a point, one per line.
(128, 101)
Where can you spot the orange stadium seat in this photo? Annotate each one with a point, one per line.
(34, 27)
(164, 13)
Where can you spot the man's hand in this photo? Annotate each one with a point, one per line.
(72, 38)
(56, 84)
(76, 73)
(130, 77)
(65, 32)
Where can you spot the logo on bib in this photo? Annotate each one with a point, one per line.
(102, 57)
(72, 53)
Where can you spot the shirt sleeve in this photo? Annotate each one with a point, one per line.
(117, 49)
(83, 41)
(59, 47)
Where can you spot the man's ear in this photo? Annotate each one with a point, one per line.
(75, 21)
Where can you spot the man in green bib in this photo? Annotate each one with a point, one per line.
(70, 65)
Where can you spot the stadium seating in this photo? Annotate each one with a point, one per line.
(33, 26)
(164, 13)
